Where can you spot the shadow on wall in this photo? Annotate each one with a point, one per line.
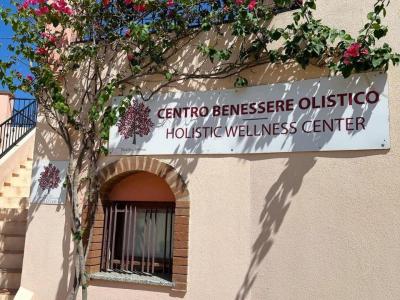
(49, 146)
(271, 217)
(277, 205)
(64, 270)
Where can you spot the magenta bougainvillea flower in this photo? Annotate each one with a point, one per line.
(354, 51)
(140, 7)
(252, 5)
(60, 6)
(41, 51)
(49, 37)
(43, 10)
(135, 121)
(49, 178)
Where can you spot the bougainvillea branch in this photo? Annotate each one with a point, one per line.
(82, 53)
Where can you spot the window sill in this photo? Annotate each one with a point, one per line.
(132, 278)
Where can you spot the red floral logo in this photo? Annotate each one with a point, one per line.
(135, 121)
(49, 178)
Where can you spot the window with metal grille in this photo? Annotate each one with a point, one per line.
(137, 238)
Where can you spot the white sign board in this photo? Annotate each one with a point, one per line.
(310, 115)
(48, 178)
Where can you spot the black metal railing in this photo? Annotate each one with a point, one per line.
(21, 122)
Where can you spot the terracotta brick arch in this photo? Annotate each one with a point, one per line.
(113, 173)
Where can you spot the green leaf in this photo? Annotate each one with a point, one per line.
(241, 82)
(296, 17)
(371, 16)
(276, 35)
(377, 61)
(104, 150)
(379, 33)
(206, 26)
(346, 71)
(311, 4)
(168, 76)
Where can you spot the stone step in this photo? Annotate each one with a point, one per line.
(26, 166)
(11, 259)
(13, 227)
(14, 202)
(12, 242)
(7, 294)
(18, 181)
(24, 171)
(14, 191)
(24, 175)
(13, 214)
(10, 278)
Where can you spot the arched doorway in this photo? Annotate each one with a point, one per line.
(146, 202)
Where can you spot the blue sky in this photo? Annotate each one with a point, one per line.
(5, 35)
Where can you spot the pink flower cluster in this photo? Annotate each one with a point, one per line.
(50, 37)
(60, 6)
(27, 3)
(137, 7)
(251, 6)
(354, 51)
(41, 51)
(43, 10)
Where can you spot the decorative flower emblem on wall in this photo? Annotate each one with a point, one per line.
(135, 121)
(49, 178)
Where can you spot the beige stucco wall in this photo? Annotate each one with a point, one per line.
(322, 225)
(325, 225)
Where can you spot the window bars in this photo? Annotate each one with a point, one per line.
(137, 238)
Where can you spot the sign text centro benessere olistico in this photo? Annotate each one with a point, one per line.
(311, 115)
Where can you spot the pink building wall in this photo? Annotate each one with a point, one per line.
(6, 105)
